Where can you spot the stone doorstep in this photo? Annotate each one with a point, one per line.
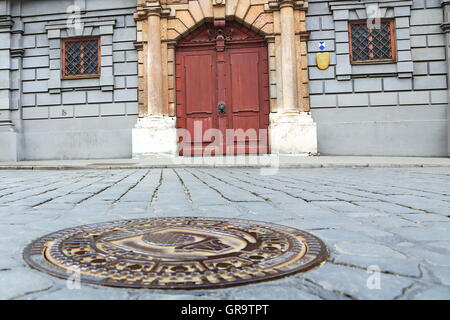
(284, 161)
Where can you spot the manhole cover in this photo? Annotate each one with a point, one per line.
(176, 253)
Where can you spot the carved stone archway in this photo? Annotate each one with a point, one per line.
(161, 23)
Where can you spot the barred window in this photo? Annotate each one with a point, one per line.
(81, 58)
(372, 44)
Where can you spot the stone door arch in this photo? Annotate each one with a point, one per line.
(161, 24)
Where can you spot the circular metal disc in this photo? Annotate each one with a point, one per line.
(176, 253)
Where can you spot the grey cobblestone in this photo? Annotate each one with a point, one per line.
(20, 282)
(352, 282)
(395, 219)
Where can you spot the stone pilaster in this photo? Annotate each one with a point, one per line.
(446, 28)
(292, 129)
(10, 62)
(154, 70)
(155, 131)
(288, 56)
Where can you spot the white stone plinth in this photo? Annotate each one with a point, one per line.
(292, 133)
(9, 144)
(155, 134)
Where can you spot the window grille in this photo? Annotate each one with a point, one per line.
(81, 58)
(372, 44)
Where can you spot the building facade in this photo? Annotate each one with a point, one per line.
(84, 79)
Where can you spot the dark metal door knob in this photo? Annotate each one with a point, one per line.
(222, 108)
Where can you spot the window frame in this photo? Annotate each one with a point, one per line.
(63, 58)
(391, 37)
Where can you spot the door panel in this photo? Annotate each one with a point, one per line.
(199, 83)
(244, 80)
(196, 96)
(249, 98)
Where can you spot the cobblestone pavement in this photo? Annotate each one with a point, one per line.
(395, 219)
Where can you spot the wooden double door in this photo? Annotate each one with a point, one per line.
(222, 92)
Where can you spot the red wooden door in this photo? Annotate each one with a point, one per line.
(222, 92)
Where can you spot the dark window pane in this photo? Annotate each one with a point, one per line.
(360, 42)
(90, 57)
(382, 42)
(73, 58)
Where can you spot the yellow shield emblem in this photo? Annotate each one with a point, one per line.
(323, 60)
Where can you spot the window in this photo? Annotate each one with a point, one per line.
(372, 45)
(81, 58)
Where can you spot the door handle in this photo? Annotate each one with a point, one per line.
(222, 108)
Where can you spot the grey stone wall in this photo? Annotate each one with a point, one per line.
(390, 109)
(380, 109)
(77, 118)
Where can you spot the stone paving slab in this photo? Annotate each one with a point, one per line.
(387, 229)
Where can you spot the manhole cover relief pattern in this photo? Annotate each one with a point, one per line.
(176, 253)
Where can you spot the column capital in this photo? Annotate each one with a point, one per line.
(275, 5)
(150, 8)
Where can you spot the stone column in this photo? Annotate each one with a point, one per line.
(154, 70)
(155, 132)
(291, 130)
(446, 28)
(288, 56)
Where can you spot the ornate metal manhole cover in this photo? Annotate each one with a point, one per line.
(176, 253)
